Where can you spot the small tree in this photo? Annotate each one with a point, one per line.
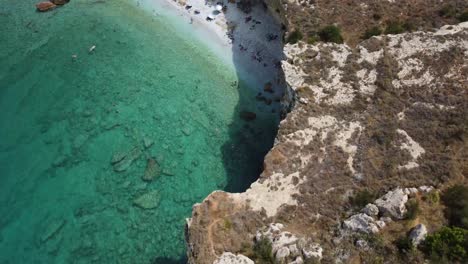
(362, 198)
(450, 243)
(263, 251)
(331, 33)
(463, 17)
(294, 37)
(456, 201)
(413, 209)
(374, 31)
(394, 27)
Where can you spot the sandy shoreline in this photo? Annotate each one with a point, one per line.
(251, 42)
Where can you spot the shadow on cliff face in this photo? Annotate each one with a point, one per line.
(261, 86)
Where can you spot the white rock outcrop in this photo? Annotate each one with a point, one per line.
(229, 258)
(371, 210)
(282, 254)
(418, 234)
(361, 223)
(313, 251)
(287, 246)
(393, 204)
(298, 260)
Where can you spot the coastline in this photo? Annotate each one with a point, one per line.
(238, 39)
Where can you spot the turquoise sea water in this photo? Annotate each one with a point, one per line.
(78, 134)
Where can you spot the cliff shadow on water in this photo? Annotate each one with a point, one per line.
(256, 33)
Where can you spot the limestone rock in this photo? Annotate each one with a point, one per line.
(361, 223)
(282, 254)
(426, 188)
(152, 170)
(361, 243)
(148, 200)
(393, 203)
(380, 224)
(294, 250)
(125, 159)
(284, 239)
(298, 260)
(386, 219)
(45, 6)
(418, 234)
(229, 258)
(371, 210)
(312, 251)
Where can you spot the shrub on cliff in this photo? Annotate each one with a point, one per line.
(262, 251)
(412, 207)
(447, 11)
(463, 17)
(432, 197)
(456, 201)
(447, 244)
(362, 198)
(374, 31)
(331, 33)
(404, 245)
(394, 27)
(294, 37)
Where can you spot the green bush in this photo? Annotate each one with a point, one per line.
(331, 34)
(432, 197)
(412, 207)
(362, 198)
(463, 17)
(456, 201)
(374, 31)
(449, 243)
(404, 245)
(294, 37)
(394, 27)
(447, 11)
(312, 39)
(263, 251)
(227, 224)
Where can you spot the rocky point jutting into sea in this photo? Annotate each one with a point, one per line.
(376, 134)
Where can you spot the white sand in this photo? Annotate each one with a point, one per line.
(252, 55)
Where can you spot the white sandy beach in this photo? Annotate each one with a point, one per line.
(253, 46)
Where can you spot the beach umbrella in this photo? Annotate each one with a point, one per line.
(219, 7)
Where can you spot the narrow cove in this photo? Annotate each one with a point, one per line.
(104, 152)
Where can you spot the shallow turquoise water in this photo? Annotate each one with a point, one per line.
(63, 119)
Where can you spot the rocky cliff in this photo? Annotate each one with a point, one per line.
(381, 116)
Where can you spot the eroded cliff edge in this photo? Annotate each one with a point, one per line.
(387, 113)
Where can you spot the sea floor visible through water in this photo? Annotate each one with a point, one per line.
(103, 153)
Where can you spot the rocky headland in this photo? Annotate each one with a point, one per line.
(378, 128)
